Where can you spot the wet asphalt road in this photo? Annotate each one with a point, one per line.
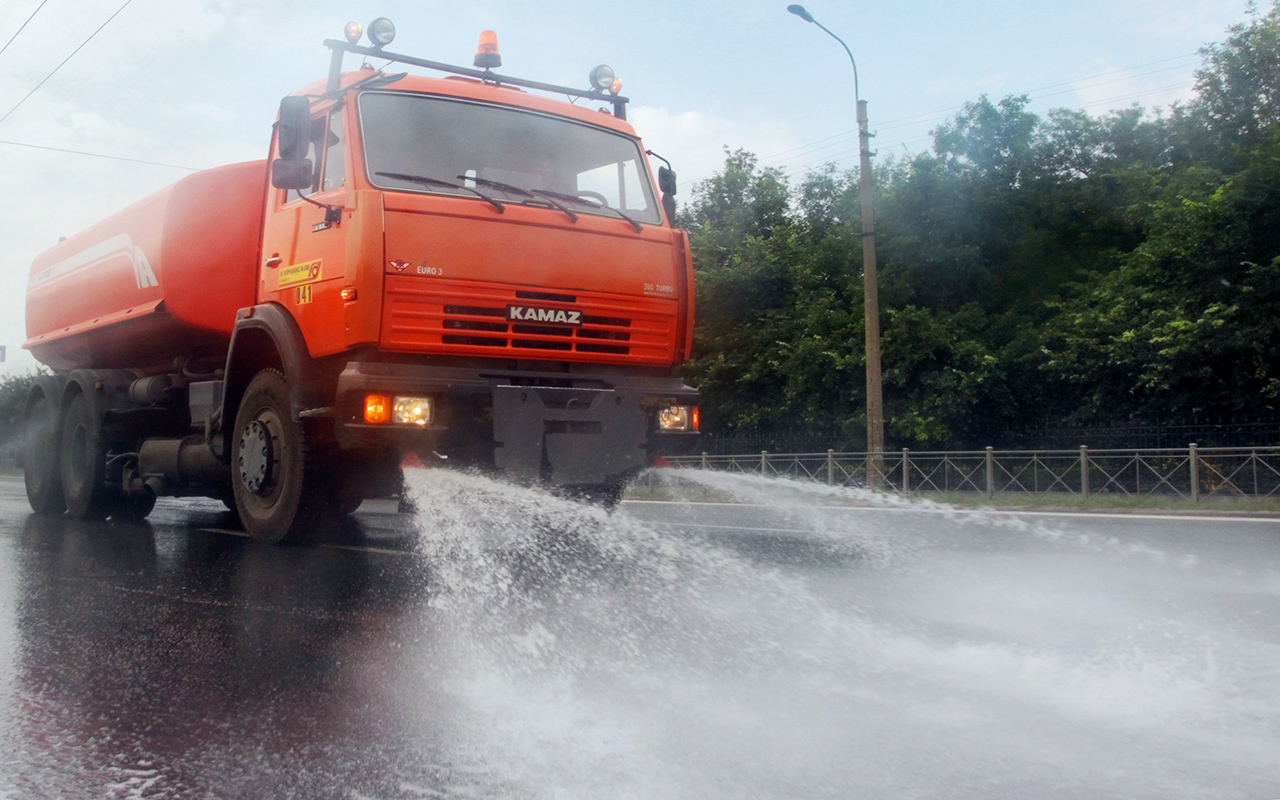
(173, 659)
(785, 655)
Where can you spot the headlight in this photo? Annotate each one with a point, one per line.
(411, 411)
(678, 418)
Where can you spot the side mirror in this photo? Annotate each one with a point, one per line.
(296, 174)
(294, 128)
(293, 170)
(667, 180)
(667, 183)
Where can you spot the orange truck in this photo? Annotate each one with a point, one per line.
(458, 267)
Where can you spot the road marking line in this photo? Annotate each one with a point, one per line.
(379, 550)
(355, 548)
(241, 534)
(734, 528)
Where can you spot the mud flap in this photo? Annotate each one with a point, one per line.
(568, 436)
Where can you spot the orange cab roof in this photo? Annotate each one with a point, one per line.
(472, 89)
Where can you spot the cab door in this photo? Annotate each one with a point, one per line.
(304, 244)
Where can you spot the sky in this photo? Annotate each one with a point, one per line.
(196, 83)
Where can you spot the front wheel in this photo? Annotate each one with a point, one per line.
(273, 483)
(605, 495)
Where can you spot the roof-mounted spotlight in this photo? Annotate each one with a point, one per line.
(352, 31)
(381, 32)
(487, 55)
(602, 78)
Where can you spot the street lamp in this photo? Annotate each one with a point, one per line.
(871, 298)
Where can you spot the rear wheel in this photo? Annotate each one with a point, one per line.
(606, 495)
(133, 507)
(83, 462)
(275, 489)
(40, 459)
(346, 502)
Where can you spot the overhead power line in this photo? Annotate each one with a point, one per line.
(15, 35)
(840, 139)
(929, 116)
(100, 155)
(836, 158)
(65, 60)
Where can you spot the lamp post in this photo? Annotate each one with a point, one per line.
(871, 295)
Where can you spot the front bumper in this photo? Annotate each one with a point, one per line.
(561, 428)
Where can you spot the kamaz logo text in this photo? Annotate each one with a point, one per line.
(531, 314)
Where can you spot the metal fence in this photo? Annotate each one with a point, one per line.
(1192, 472)
(1253, 431)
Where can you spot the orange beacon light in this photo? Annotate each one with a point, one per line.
(487, 55)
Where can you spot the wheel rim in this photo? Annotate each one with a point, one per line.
(257, 462)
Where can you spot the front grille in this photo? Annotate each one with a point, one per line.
(534, 337)
(475, 325)
(555, 298)
(541, 330)
(476, 311)
(433, 316)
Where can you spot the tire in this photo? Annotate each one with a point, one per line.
(345, 477)
(133, 508)
(605, 495)
(40, 469)
(406, 505)
(346, 503)
(275, 486)
(228, 499)
(83, 462)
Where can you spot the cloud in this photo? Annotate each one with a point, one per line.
(1199, 20)
(694, 141)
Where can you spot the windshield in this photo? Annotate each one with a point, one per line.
(511, 155)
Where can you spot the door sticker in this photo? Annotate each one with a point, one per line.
(304, 293)
(295, 274)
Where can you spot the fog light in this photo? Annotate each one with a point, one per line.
(411, 411)
(676, 418)
(377, 408)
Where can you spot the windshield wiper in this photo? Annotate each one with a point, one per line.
(591, 204)
(533, 193)
(425, 181)
(502, 187)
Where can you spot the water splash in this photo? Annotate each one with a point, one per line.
(946, 652)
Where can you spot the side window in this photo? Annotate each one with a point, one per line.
(335, 168)
(319, 131)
